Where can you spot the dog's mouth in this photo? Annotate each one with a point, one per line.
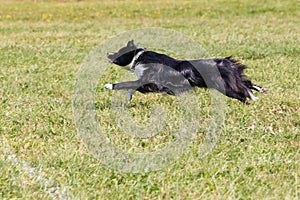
(111, 57)
(110, 61)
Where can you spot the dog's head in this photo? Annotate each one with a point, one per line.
(125, 55)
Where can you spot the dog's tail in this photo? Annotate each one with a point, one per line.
(240, 69)
(236, 83)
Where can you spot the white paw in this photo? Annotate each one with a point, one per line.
(108, 86)
(254, 98)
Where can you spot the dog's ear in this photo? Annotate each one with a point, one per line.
(130, 43)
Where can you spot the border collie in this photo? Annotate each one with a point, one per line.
(160, 73)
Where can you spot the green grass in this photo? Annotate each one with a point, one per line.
(42, 48)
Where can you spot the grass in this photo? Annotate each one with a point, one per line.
(42, 48)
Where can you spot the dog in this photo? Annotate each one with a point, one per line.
(159, 73)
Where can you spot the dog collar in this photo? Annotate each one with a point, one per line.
(135, 58)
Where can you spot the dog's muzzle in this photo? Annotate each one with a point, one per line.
(110, 57)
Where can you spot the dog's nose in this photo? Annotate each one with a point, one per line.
(109, 54)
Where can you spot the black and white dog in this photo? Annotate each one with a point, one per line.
(161, 73)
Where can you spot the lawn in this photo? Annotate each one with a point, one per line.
(43, 155)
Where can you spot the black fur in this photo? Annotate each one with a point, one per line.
(160, 73)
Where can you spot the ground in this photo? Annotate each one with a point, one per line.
(43, 45)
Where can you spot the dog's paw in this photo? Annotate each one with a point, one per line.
(108, 86)
(264, 90)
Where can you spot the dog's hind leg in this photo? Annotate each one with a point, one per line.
(258, 88)
(235, 95)
(251, 95)
(251, 86)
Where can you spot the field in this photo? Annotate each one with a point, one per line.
(43, 46)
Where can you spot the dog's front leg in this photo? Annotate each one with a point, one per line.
(129, 85)
(129, 94)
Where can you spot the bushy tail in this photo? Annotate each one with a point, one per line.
(236, 82)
